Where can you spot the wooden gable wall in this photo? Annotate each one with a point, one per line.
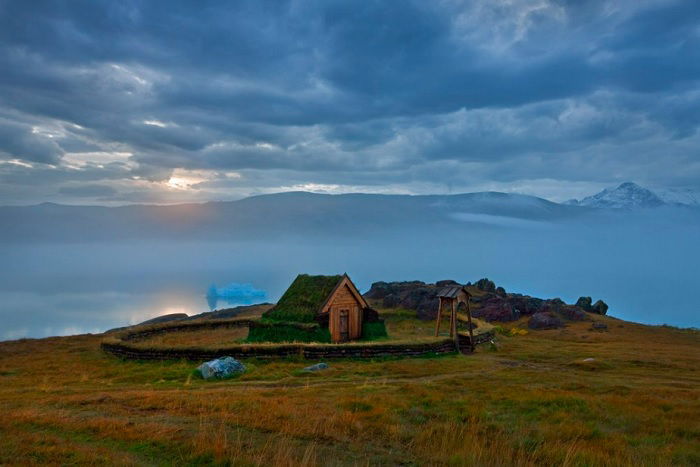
(344, 302)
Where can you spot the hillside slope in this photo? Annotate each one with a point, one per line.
(571, 396)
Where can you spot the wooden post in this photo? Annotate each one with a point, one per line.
(437, 323)
(453, 320)
(454, 324)
(469, 318)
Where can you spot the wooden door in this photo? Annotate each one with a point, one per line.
(344, 325)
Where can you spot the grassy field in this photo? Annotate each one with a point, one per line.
(201, 337)
(535, 399)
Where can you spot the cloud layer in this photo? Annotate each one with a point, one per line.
(117, 102)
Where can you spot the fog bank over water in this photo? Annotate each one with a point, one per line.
(644, 264)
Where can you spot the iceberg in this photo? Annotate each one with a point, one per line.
(234, 294)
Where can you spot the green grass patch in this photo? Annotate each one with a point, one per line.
(373, 331)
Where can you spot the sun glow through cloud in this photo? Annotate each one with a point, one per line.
(183, 179)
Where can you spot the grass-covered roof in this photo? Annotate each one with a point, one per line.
(304, 298)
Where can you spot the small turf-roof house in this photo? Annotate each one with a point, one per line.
(331, 301)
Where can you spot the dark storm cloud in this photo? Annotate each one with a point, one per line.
(349, 93)
(17, 140)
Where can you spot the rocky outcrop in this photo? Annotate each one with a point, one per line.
(380, 289)
(600, 307)
(413, 295)
(446, 283)
(496, 308)
(584, 303)
(545, 320)
(525, 304)
(491, 303)
(573, 313)
(486, 285)
(422, 297)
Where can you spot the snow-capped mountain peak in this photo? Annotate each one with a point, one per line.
(625, 196)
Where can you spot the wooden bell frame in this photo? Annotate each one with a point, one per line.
(450, 298)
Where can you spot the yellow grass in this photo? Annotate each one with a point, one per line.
(537, 400)
(202, 337)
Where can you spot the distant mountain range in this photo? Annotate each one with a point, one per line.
(276, 215)
(285, 215)
(629, 195)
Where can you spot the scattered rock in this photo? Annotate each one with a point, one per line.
(544, 320)
(220, 368)
(584, 303)
(589, 359)
(317, 367)
(600, 307)
(599, 326)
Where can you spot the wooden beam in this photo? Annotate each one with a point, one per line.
(469, 318)
(454, 324)
(437, 323)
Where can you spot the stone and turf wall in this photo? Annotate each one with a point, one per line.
(126, 345)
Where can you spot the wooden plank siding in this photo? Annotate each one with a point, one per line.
(344, 299)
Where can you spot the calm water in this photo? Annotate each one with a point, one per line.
(646, 272)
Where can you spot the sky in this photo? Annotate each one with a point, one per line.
(106, 102)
